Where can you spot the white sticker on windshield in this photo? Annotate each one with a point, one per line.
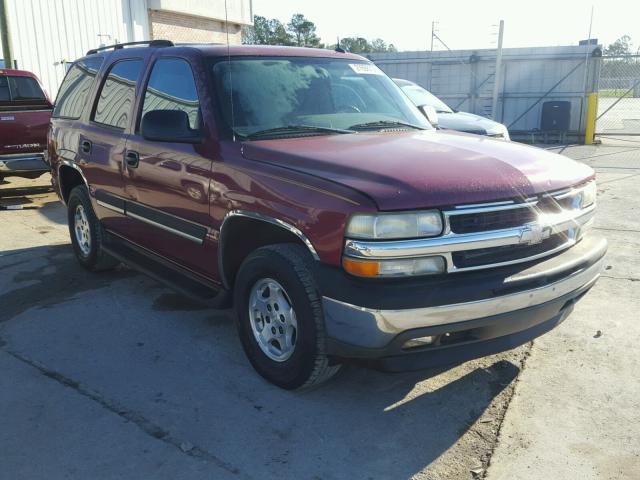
(365, 68)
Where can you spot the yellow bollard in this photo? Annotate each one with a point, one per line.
(592, 113)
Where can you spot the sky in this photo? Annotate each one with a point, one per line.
(464, 24)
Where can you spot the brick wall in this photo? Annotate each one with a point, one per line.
(186, 28)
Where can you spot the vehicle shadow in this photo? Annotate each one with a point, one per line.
(54, 211)
(179, 366)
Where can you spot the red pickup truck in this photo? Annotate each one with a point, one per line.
(25, 109)
(304, 185)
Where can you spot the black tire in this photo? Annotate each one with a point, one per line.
(94, 258)
(292, 267)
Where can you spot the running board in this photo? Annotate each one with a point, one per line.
(160, 269)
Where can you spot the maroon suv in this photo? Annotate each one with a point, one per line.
(305, 183)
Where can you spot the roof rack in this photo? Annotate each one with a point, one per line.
(118, 46)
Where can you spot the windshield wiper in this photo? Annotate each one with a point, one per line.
(294, 129)
(385, 124)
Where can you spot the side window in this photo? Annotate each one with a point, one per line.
(172, 87)
(118, 94)
(76, 87)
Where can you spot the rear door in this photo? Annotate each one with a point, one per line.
(170, 180)
(102, 142)
(24, 114)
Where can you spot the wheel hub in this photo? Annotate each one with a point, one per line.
(273, 320)
(82, 230)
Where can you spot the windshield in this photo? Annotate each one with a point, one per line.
(419, 96)
(275, 94)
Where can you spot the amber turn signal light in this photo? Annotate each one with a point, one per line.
(361, 268)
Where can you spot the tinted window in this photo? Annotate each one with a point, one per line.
(118, 94)
(25, 88)
(76, 87)
(172, 87)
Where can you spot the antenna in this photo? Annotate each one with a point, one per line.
(233, 119)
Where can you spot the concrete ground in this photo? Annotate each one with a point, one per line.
(112, 375)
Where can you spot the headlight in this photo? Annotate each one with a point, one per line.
(395, 225)
(588, 195)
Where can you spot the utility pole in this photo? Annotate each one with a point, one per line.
(5, 34)
(497, 76)
(433, 26)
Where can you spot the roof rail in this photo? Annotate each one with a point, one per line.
(118, 46)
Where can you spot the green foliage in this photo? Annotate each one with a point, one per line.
(621, 46)
(266, 31)
(301, 32)
(362, 45)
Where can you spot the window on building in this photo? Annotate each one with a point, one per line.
(76, 87)
(172, 87)
(118, 94)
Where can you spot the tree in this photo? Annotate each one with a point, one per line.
(303, 31)
(266, 31)
(355, 44)
(621, 46)
(362, 45)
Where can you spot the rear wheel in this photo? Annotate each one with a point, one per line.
(280, 318)
(86, 232)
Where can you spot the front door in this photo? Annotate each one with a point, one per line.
(170, 181)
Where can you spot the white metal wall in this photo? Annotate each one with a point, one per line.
(47, 33)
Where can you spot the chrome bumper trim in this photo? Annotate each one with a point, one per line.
(397, 321)
(17, 162)
(570, 223)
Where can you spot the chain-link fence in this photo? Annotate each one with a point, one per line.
(619, 97)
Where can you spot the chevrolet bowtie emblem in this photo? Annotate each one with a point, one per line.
(534, 233)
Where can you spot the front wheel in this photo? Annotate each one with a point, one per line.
(86, 232)
(280, 318)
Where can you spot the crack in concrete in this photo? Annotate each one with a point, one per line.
(617, 230)
(630, 279)
(147, 426)
(617, 179)
(503, 412)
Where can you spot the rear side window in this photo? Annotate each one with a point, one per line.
(118, 94)
(76, 87)
(172, 87)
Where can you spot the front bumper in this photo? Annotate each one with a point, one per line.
(24, 164)
(469, 315)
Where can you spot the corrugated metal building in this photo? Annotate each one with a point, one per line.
(47, 34)
(529, 78)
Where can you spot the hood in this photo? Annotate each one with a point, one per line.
(467, 122)
(423, 169)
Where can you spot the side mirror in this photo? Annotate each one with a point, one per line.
(429, 112)
(168, 126)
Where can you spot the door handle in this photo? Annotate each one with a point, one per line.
(85, 146)
(132, 158)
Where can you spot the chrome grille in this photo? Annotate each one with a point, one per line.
(495, 220)
(509, 253)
